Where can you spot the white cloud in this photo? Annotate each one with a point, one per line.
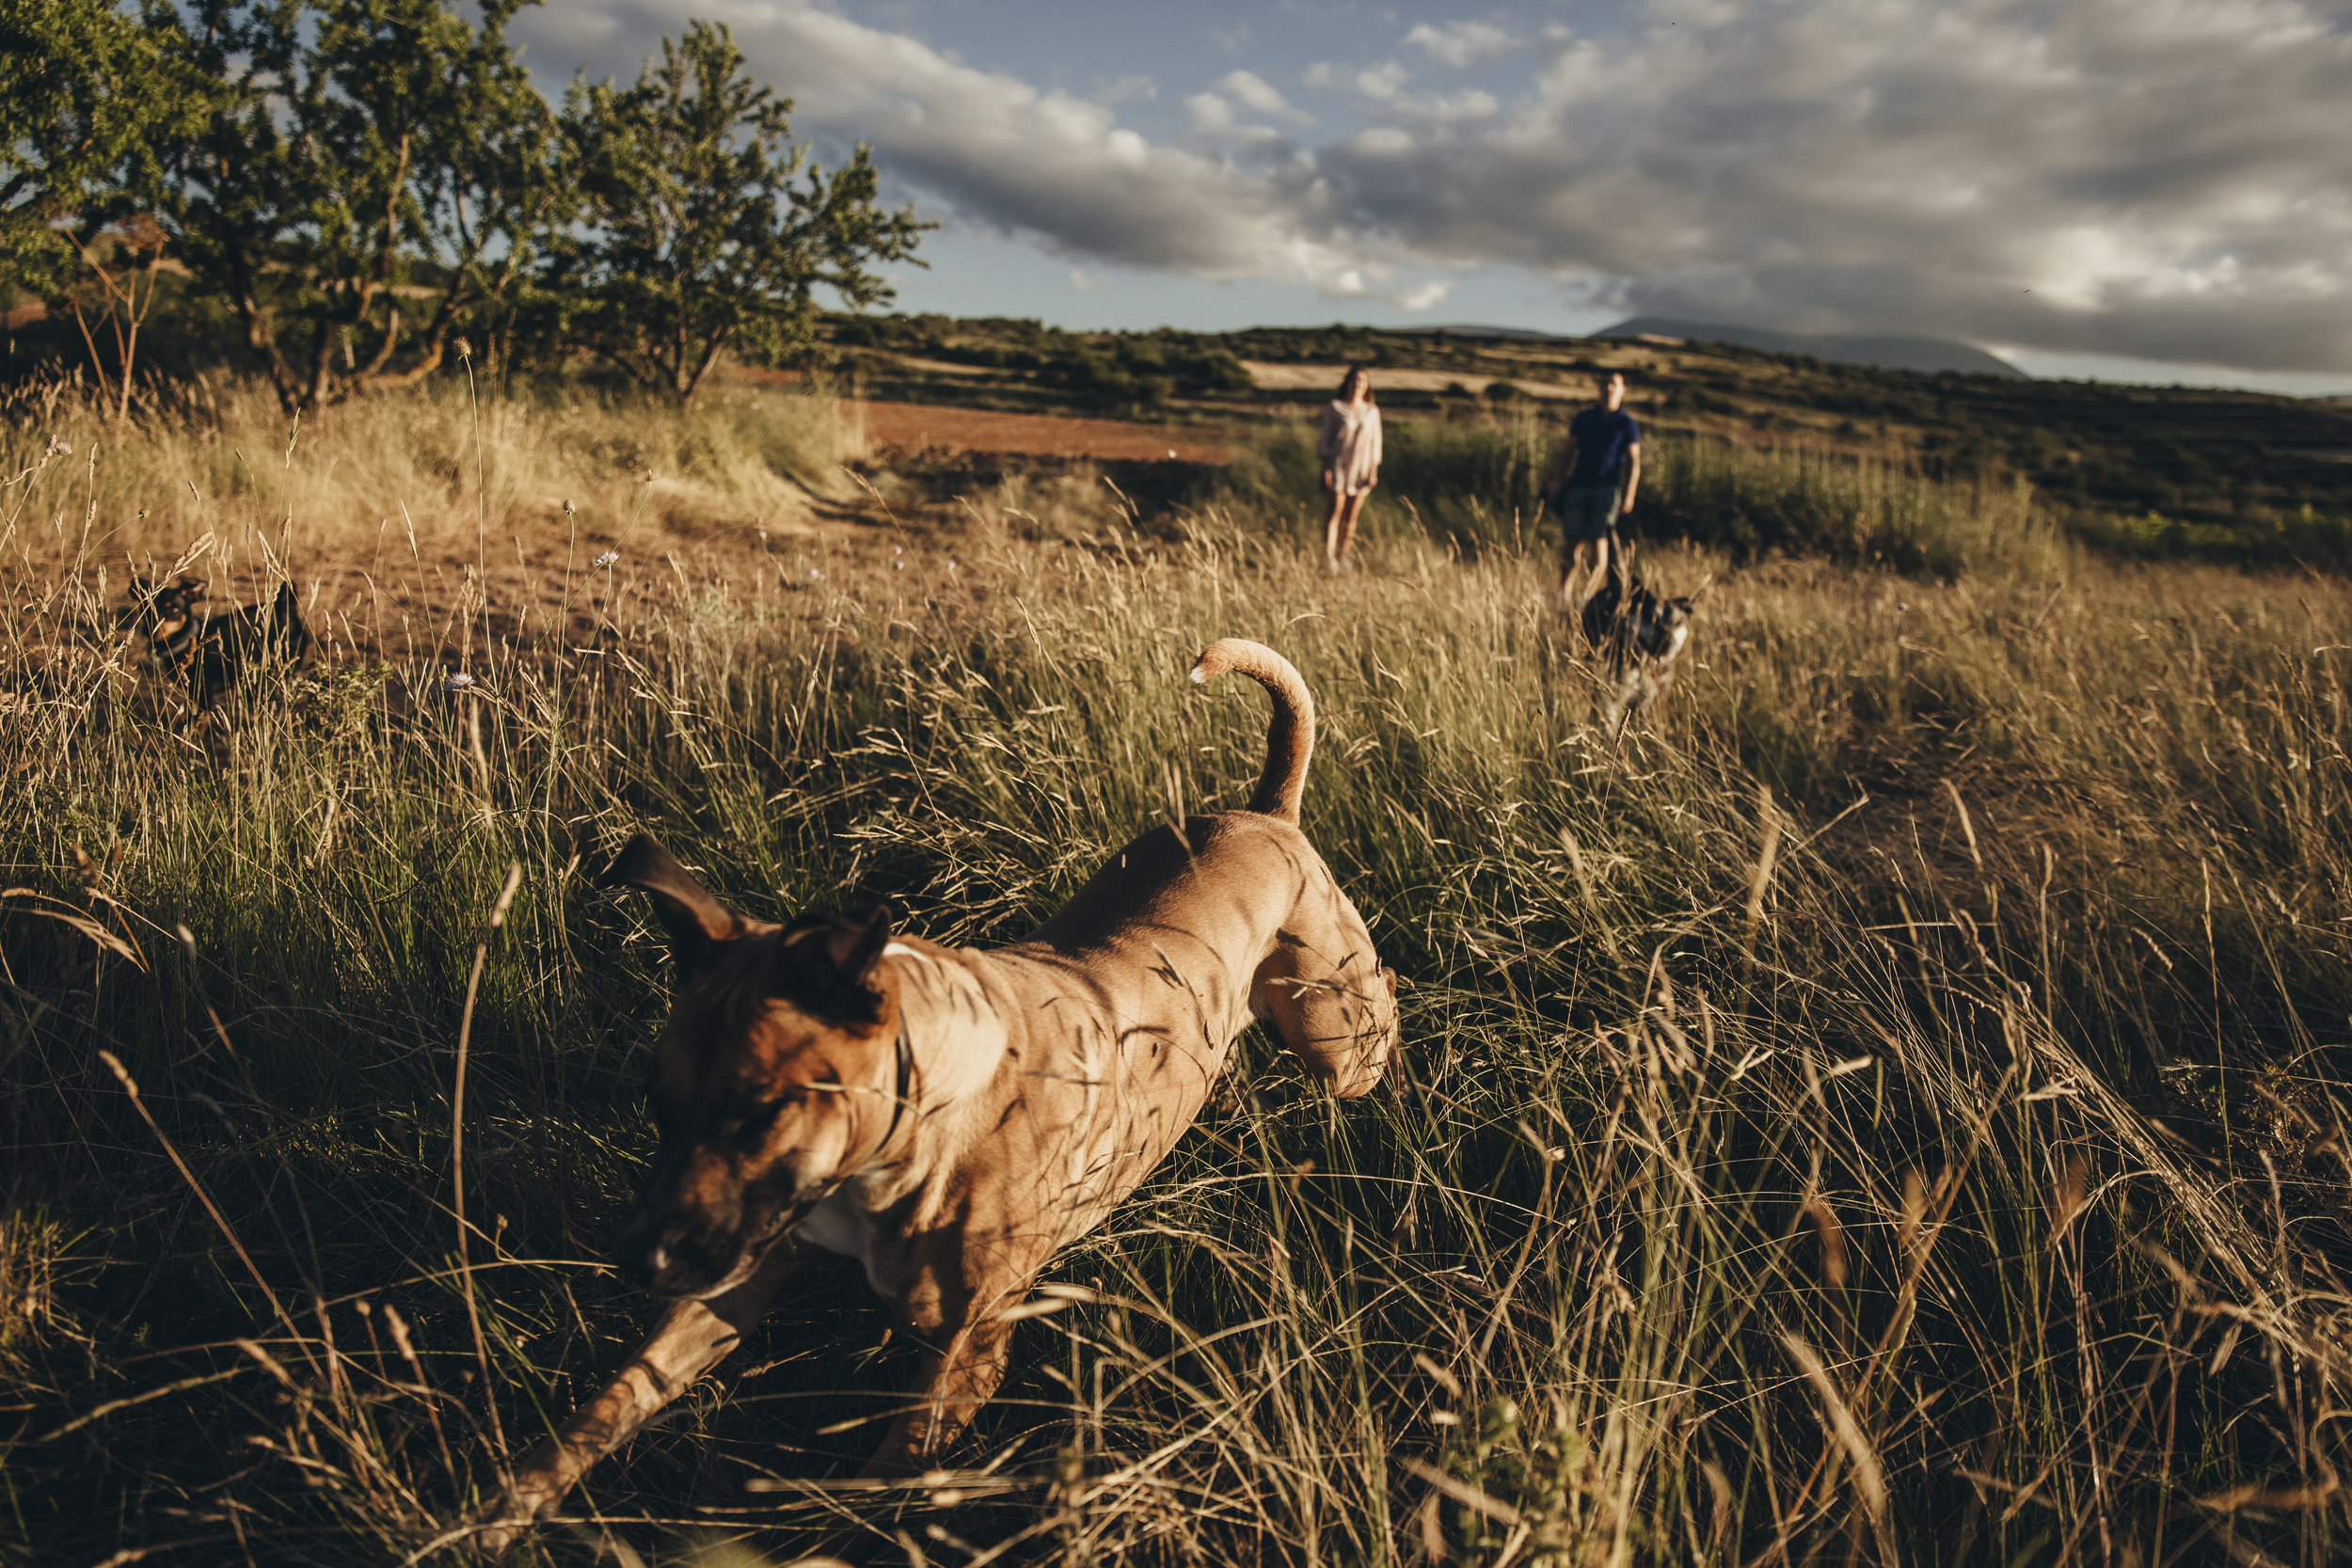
(1258, 93)
(1082, 280)
(1380, 82)
(2162, 179)
(1210, 124)
(1124, 88)
(1027, 161)
(1208, 114)
(1383, 86)
(1460, 43)
(2084, 178)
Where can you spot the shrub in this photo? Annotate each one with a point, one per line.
(2303, 537)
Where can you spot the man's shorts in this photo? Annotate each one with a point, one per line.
(1588, 512)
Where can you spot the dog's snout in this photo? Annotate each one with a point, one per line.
(662, 1262)
(639, 1250)
(669, 1252)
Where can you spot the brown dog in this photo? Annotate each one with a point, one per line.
(952, 1117)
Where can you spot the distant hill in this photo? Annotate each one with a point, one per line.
(1518, 334)
(2205, 455)
(1927, 355)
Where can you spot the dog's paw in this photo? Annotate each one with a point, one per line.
(500, 1522)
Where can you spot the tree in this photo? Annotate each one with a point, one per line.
(88, 97)
(704, 228)
(368, 157)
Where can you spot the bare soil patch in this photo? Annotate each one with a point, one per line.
(915, 427)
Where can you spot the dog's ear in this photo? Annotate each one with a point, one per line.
(825, 964)
(694, 918)
(853, 947)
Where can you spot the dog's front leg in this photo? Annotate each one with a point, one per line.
(951, 1386)
(691, 1338)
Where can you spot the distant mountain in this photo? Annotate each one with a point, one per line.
(1927, 355)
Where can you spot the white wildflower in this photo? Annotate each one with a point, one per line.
(459, 681)
(607, 559)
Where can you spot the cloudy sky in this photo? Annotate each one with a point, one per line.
(2149, 189)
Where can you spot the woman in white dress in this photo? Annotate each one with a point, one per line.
(1348, 451)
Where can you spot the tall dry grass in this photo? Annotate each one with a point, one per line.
(1474, 483)
(1886, 1113)
(438, 474)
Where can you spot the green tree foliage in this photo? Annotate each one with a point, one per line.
(362, 185)
(705, 226)
(379, 175)
(88, 94)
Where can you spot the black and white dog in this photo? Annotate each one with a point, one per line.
(204, 652)
(1639, 636)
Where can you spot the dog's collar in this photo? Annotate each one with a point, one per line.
(902, 1092)
(905, 1089)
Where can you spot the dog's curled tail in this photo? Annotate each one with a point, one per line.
(1290, 737)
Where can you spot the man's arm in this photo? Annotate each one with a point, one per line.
(1633, 474)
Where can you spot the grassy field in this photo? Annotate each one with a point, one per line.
(2236, 475)
(1886, 1112)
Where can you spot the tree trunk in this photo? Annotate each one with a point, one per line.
(710, 356)
(258, 335)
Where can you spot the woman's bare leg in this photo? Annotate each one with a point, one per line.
(1343, 524)
(1333, 542)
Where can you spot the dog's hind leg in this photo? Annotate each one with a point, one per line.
(692, 1336)
(1331, 1002)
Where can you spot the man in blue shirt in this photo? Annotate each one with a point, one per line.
(1593, 485)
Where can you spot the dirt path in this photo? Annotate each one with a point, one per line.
(371, 594)
(913, 427)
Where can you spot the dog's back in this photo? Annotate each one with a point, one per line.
(253, 635)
